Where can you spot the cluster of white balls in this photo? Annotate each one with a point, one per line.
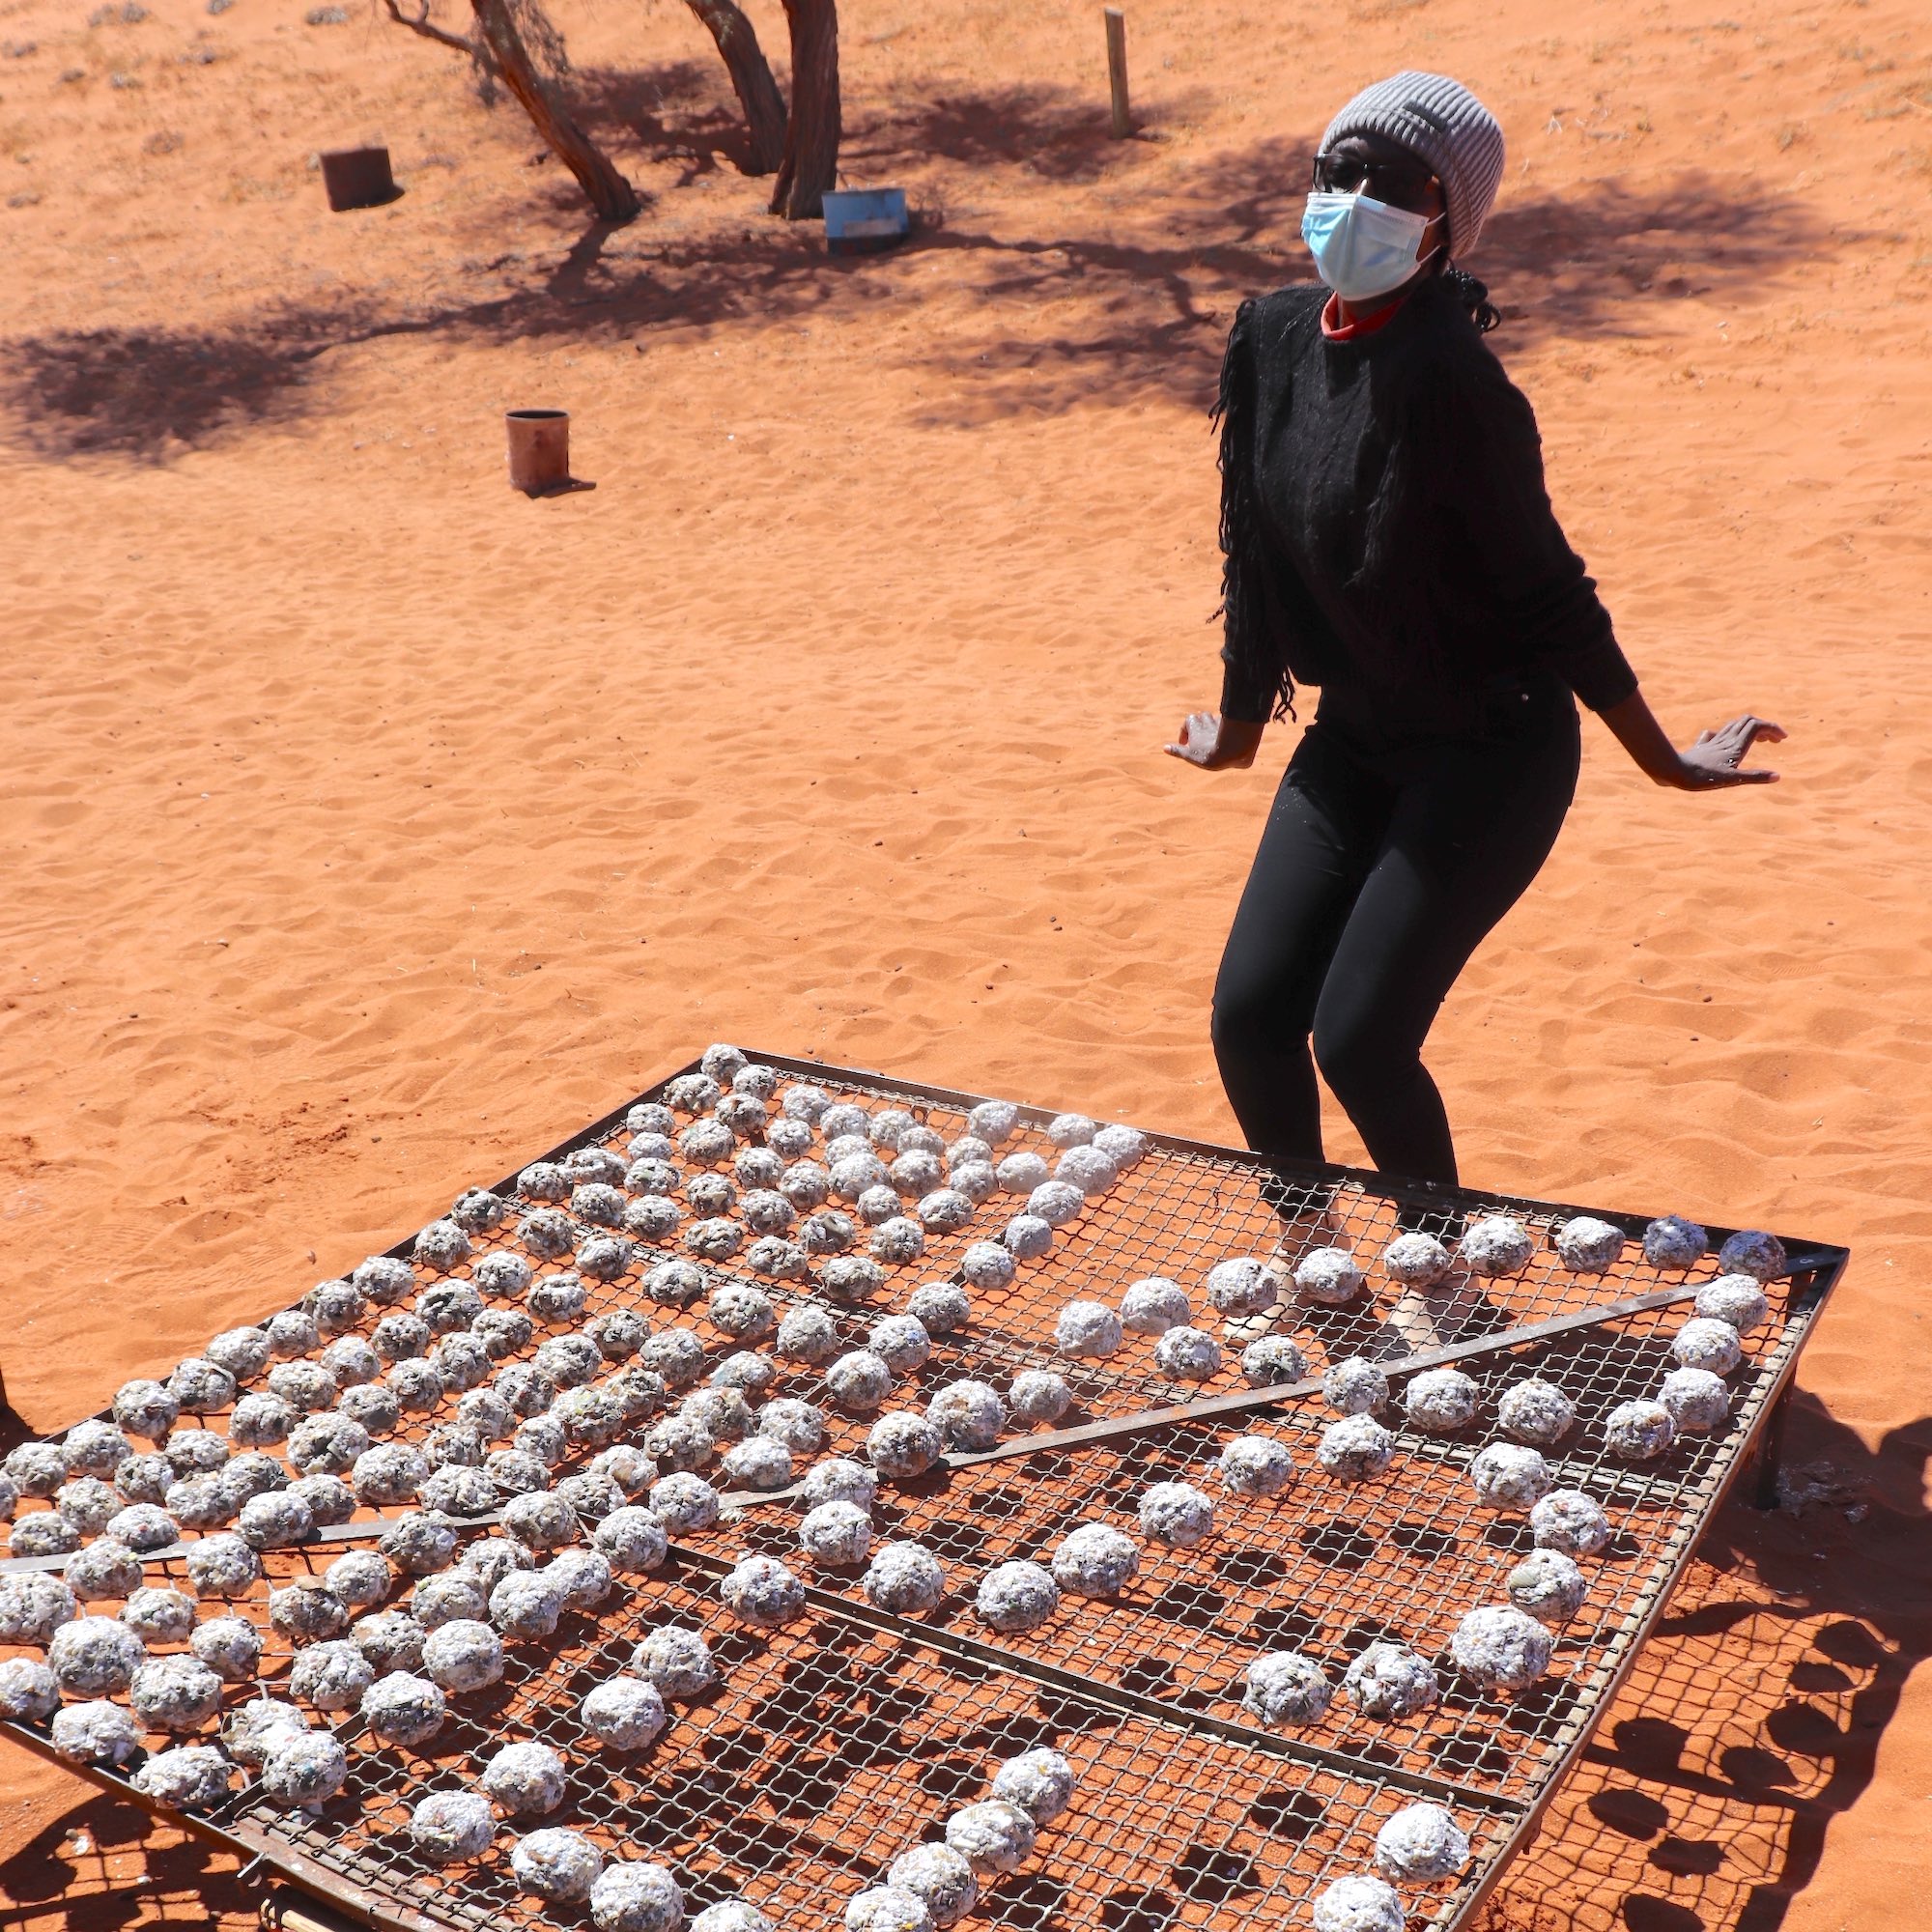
(936, 1884)
(1693, 1398)
(526, 1781)
(1421, 1844)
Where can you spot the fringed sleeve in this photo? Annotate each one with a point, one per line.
(1256, 682)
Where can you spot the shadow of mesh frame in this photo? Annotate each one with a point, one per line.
(837, 1742)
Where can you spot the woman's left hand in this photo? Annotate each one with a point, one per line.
(1715, 759)
(1711, 764)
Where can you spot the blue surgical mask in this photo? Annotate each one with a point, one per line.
(1362, 248)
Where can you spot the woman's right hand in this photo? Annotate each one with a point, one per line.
(1216, 744)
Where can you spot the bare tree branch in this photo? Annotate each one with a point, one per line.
(610, 193)
(476, 48)
(751, 76)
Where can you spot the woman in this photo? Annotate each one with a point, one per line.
(1388, 538)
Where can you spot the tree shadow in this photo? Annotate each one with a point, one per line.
(1149, 292)
(1593, 261)
(675, 112)
(1754, 1715)
(1044, 130)
(149, 393)
(104, 1863)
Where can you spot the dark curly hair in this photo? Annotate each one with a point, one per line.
(1474, 295)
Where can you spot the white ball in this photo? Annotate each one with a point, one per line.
(969, 1414)
(1021, 1173)
(1028, 1238)
(625, 1713)
(1095, 1560)
(1039, 1394)
(1255, 1465)
(1639, 1431)
(632, 1895)
(902, 1342)
(1441, 1400)
(1243, 1285)
(1355, 1449)
(1536, 1411)
(941, 1877)
(677, 1660)
(1039, 1781)
(1588, 1246)
(1420, 1844)
(1733, 1298)
(760, 1591)
(1354, 1387)
(1272, 1362)
(556, 1864)
(1546, 1585)
(905, 1578)
(992, 1838)
(904, 1445)
(1188, 1355)
(1357, 1904)
(1699, 1401)
(1570, 1521)
(1087, 1328)
(1154, 1306)
(858, 1380)
(837, 1480)
(1506, 1476)
(1673, 1242)
(1088, 1169)
(1389, 1680)
(1706, 1344)
(1176, 1514)
(1016, 1596)
(1497, 1245)
(1327, 1277)
(1501, 1646)
(835, 1533)
(1126, 1146)
(1286, 1689)
(887, 1908)
(985, 1266)
(1415, 1260)
(1754, 1253)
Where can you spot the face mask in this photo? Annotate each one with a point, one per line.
(1362, 248)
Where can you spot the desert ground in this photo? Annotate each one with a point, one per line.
(367, 827)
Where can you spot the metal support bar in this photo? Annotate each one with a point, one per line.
(1112, 1697)
(1769, 1457)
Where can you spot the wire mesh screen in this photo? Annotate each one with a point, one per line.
(852, 1733)
(828, 1749)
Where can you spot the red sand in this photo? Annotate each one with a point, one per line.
(367, 826)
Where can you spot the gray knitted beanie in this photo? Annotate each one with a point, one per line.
(1440, 120)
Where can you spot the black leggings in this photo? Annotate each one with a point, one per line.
(1379, 871)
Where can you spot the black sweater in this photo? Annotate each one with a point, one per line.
(1387, 532)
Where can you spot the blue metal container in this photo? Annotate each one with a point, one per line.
(863, 221)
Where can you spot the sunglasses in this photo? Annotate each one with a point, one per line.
(1398, 183)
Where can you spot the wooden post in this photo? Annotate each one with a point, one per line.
(1117, 71)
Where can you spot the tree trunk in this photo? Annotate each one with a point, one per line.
(810, 163)
(751, 76)
(610, 194)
